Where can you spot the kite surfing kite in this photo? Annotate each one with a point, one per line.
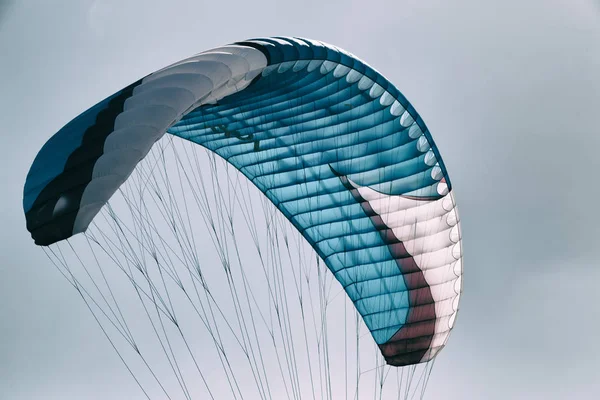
(280, 212)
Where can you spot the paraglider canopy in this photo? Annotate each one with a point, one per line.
(328, 140)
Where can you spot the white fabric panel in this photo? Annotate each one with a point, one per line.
(131, 137)
(417, 229)
(430, 232)
(158, 116)
(429, 244)
(199, 85)
(445, 295)
(156, 104)
(176, 97)
(256, 60)
(117, 163)
(440, 274)
(434, 259)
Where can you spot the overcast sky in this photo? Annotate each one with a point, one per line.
(509, 89)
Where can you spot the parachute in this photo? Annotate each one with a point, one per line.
(332, 144)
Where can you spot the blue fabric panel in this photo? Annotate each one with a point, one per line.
(288, 129)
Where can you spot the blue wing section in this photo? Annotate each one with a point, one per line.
(316, 110)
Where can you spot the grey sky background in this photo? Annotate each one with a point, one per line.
(509, 89)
